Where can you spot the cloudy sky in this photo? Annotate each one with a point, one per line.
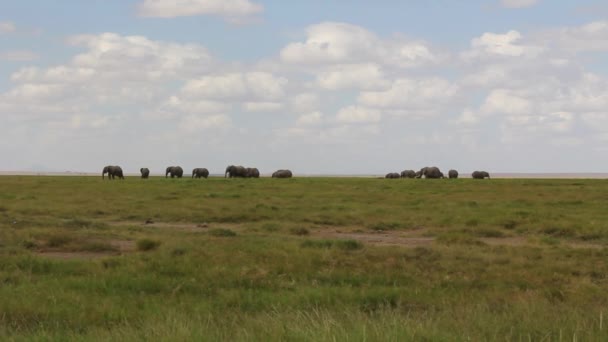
(317, 86)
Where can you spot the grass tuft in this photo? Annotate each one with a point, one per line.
(222, 232)
(299, 231)
(147, 244)
(349, 245)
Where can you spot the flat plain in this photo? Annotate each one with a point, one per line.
(303, 259)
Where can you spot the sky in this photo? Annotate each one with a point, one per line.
(317, 86)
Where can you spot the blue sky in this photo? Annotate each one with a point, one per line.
(317, 86)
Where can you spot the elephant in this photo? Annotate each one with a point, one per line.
(112, 171)
(233, 171)
(408, 174)
(175, 171)
(453, 174)
(431, 172)
(418, 174)
(200, 172)
(282, 174)
(253, 172)
(480, 175)
(145, 172)
(392, 175)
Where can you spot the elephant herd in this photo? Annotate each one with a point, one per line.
(232, 171)
(433, 172)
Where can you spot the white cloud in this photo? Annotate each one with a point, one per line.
(262, 106)
(507, 45)
(468, 117)
(237, 86)
(232, 10)
(426, 96)
(571, 40)
(518, 3)
(7, 27)
(139, 58)
(305, 102)
(342, 43)
(358, 114)
(194, 123)
(506, 101)
(18, 56)
(113, 70)
(310, 119)
(358, 76)
(189, 106)
(36, 93)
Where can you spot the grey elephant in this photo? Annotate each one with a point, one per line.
(432, 172)
(408, 174)
(112, 171)
(200, 172)
(233, 171)
(480, 175)
(418, 174)
(392, 175)
(252, 172)
(453, 174)
(174, 171)
(145, 172)
(282, 174)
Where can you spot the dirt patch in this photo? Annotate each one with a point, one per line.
(122, 247)
(76, 255)
(190, 227)
(506, 241)
(405, 238)
(379, 239)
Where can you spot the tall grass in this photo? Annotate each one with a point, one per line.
(250, 273)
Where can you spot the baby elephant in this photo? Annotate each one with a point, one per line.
(145, 172)
(392, 175)
(200, 172)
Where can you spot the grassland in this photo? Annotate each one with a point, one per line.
(303, 259)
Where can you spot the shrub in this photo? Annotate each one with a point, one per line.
(147, 244)
(28, 244)
(489, 232)
(270, 227)
(178, 251)
(459, 239)
(97, 246)
(349, 245)
(77, 223)
(558, 231)
(385, 226)
(299, 231)
(222, 232)
(317, 244)
(58, 240)
(510, 224)
(472, 223)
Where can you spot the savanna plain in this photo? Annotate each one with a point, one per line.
(303, 259)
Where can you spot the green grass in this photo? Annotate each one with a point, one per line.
(510, 259)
